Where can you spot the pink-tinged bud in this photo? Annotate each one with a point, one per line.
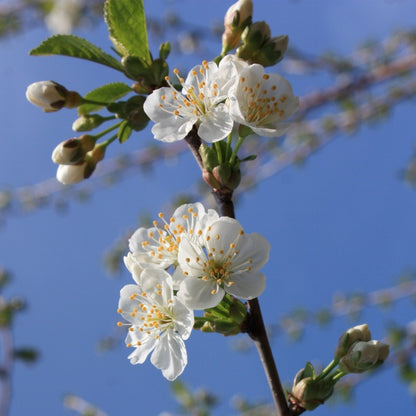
(237, 18)
(73, 151)
(51, 96)
(210, 179)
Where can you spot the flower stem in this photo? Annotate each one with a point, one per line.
(108, 141)
(229, 141)
(219, 152)
(104, 132)
(338, 374)
(237, 146)
(327, 369)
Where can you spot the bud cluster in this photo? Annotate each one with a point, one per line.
(77, 159)
(356, 352)
(255, 40)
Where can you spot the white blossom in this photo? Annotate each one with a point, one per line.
(201, 103)
(262, 101)
(158, 245)
(226, 261)
(158, 321)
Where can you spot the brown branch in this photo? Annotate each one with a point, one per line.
(254, 325)
(341, 90)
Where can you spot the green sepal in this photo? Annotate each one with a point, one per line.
(249, 158)
(164, 50)
(159, 69)
(107, 93)
(124, 131)
(226, 318)
(88, 122)
(228, 175)
(135, 67)
(126, 23)
(209, 157)
(132, 111)
(310, 391)
(76, 47)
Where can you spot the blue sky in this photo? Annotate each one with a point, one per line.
(343, 222)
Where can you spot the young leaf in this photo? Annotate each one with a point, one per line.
(105, 94)
(124, 131)
(76, 47)
(127, 26)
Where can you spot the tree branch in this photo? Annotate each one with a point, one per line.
(254, 325)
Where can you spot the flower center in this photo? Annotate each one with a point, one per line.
(164, 242)
(154, 319)
(261, 102)
(199, 101)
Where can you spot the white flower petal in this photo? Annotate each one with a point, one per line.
(221, 235)
(280, 130)
(191, 257)
(253, 252)
(139, 355)
(177, 277)
(200, 294)
(170, 356)
(133, 267)
(216, 125)
(144, 245)
(184, 319)
(173, 129)
(262, 101)
(247, 285)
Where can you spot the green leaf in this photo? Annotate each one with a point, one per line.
(124, 131)
(106, 94)
(127, 26)
(69, 45)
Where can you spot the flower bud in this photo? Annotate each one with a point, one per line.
(272, 51)
(237, 18)
(71, 174)
(308, 392)
(73, 151)
(227, 176)
(253, 39)
(51, 96)
(88, 122)
(349, 337)
(210, 179)
(364, 356)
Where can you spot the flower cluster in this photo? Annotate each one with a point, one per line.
(214, 97)
(208, 256)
